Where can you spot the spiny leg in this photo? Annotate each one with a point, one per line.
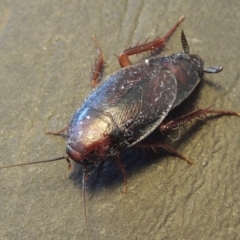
(123, 58)
(96, 70)
(121, 167)
(166, 147)
(69, 164)
(84, 180)
(95, 78)
(177, 122)
(180, 121)
(59, 132)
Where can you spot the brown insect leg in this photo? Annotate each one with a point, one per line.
(121, 167)
(190, 116)
(166, 147)
(84, 179)
(96, 70)
(69, 164)
(58, 132)
(123, 58)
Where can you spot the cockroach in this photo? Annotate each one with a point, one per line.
(133, 102)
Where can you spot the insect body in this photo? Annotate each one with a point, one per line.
(134, 101)
(131, 103)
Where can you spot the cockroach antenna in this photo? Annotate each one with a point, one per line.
(84, 179)
(37, 162)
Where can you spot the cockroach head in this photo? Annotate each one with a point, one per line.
(76, 156)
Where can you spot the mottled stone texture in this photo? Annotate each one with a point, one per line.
(45, 57)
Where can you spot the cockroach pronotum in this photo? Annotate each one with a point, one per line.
(133, 102)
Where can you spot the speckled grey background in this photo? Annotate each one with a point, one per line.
(45, 58)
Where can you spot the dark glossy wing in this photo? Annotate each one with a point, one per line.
(137, 98)
(187, 70)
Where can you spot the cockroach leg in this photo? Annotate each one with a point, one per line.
(190, 116)
(84, 179)
(121, 167)
(96, 70)
(58, 132)
(123, 58)
(166, 147)
(69, 164)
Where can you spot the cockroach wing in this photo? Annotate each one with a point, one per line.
(137, 99)
(187, 69)
(145, 105)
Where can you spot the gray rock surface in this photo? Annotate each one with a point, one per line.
(45, 57)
